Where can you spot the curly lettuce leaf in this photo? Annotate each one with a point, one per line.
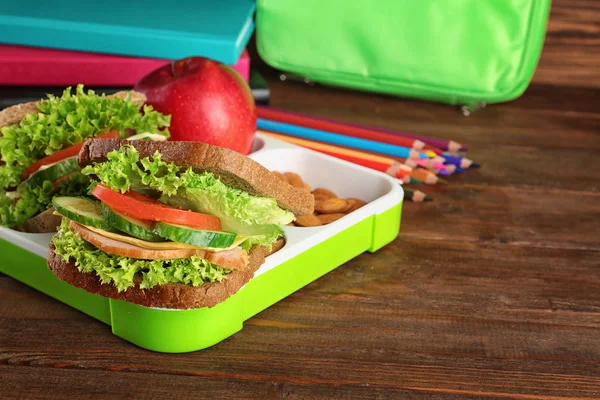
(124, 170)
(120, 271)
(257, 217)
(67, 120)
(204, 188)
(34, 200)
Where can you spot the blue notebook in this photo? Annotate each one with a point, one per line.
(146, 28)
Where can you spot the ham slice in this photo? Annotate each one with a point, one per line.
(234, 259)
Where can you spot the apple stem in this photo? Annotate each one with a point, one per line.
(174, 67)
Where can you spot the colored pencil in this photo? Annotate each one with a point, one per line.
(340, 140)
(455, 153)
(416, 195)
(368, 160)
(435, 150)
(425, 176)
(382, 164)
(374, 165)
(399, 170)
(328, 147)
(429, 164)
(307, 121)
(442, 144)
(430, 153)
(417, 175)
(442, 172)
(461, 162)
(402, 173)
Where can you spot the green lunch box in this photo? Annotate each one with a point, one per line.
(308, 254)
(459, 52)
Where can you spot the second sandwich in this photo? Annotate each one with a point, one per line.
(39, 143)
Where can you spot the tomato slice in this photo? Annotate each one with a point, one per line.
(138, 206)
(145, 199)
(60, 155)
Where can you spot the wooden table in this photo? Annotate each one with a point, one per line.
(490, 291)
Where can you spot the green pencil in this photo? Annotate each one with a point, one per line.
(416, 195)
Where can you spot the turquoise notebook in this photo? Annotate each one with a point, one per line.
(148, 28)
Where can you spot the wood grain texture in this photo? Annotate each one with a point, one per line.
(571, 55)
(492, 291)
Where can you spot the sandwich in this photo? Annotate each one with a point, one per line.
(174, 224)
(39, 143)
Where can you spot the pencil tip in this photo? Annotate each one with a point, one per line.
(428, 198)
(418, 145)
(475, 165)
(454, 146)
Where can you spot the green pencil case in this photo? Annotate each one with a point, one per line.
(460, 52)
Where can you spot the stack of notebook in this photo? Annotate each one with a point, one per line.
(115, 43)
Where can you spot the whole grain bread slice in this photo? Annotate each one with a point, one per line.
(44, 222)
(14, 114)
(232, 168)
(171, 295)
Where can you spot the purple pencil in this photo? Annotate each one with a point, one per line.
(444, 144)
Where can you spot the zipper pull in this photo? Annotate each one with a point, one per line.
(470, 108)
(285, 76)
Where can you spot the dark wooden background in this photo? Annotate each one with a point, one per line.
(490, 291)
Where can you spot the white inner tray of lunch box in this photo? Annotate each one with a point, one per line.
(380, 191)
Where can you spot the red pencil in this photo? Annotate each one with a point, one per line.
(338, 127)
(390, 169)
(360, 131)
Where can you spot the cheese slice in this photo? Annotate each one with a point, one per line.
(12, 195)
(148, 136)
(162, 245)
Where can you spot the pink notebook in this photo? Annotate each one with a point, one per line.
(32, 66)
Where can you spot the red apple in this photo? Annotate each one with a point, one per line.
(208, 102)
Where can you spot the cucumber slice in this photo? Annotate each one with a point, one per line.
(194, 237)
(80, 209)
(131, 226)
(53, 172)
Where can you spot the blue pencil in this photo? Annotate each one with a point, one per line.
(340, 140)
(460, 162)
